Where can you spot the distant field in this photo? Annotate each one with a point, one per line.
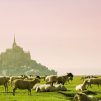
(22, 95)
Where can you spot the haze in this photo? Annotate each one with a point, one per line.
(64, 35)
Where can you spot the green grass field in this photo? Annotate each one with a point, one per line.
(22, 95)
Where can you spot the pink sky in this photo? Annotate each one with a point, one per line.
(64, 35)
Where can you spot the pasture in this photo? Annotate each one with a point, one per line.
(22, 95)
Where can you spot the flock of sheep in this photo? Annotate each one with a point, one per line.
(87, 82)
(52, 83)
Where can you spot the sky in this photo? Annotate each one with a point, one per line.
(64, 35)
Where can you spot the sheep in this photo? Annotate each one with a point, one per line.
(63, 79)
(51, 79)
(58, 79)
(45, 88)
(88, 77)
(83, 97)
(39, 87)
(17, 77)
(4, 81)
(49, 88)
(82, 87)
(84, 77)
(96, 81)
(60, 87)
(24, 84)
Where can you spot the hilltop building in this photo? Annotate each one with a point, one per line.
(16, 61)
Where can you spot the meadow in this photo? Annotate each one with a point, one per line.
(22, 95)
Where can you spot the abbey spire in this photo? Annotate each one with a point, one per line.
(14, 42)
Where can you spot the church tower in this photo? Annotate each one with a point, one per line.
(14, 43)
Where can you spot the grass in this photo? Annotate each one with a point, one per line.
(22, 95)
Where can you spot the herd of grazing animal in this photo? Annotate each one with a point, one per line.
(52, 83)
(24, 84)
(88, 81)
(58, 79)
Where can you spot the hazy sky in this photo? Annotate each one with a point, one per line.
(64, 35)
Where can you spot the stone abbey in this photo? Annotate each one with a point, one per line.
(16, 61)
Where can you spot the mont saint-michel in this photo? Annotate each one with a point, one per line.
(16, 61)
